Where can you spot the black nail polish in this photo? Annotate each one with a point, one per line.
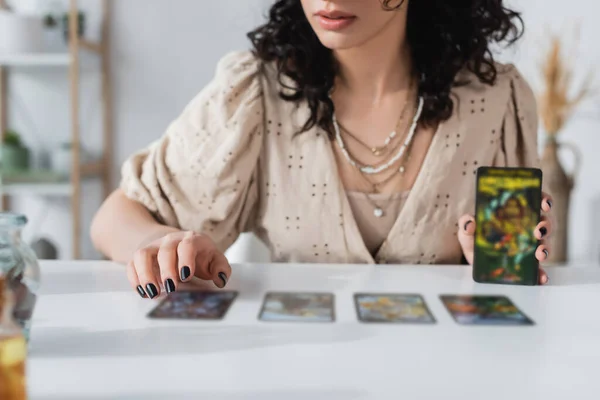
(185, 273)
(140, 290)
(152, 291)
(223, 278)
(467, 224)
(549, 203)
(546, 253)
(543, 231)
(170, 285)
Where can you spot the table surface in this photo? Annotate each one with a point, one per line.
(91, 339)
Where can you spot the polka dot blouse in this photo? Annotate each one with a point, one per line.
(230, 163)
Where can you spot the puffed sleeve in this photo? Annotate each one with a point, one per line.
(520, 126)
(201, 174)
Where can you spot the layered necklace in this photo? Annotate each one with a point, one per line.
(376, 169)
(379, 150)
(367, 171)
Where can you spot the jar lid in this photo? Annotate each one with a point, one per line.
(8, 219)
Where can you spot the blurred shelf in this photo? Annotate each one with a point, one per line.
(84, 54)
(41, 189)
(44, 183)
(60, 59)
(35, 60)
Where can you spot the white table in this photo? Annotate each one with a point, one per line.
(91, 340)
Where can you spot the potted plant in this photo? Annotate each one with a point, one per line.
(81, 25)
(15, 156)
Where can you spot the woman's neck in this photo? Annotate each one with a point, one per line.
(378, 67)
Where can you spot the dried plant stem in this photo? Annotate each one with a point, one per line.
(556, 103)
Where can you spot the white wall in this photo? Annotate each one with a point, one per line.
(541, 17)
(164, 52)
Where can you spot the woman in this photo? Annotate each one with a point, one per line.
(292, 141)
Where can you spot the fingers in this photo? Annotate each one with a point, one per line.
(134, 281)
(542, 253)
(543, 229)
(466, 232)
(466, 224)
(187, 252)
(144, 262)
(220, 269)
(543, 277)
(174, 259)
(547, 202)
(205, 258)
(167, 262)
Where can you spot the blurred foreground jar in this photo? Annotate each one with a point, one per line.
(13, 349)
(19, 265)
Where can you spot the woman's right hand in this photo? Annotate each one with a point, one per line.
(176, 258)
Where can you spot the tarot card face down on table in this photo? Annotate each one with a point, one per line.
(194, 305)
(298, 307)
(484, 310)
(507, 212)
(392, 308)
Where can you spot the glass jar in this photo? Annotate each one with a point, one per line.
(19, 265)
(13, 350)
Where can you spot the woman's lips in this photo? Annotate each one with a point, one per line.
(335, 21)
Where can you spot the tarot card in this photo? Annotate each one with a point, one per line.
(392, 308)
(508, 206)
(484, 310)
(194, 305)
(298, 307)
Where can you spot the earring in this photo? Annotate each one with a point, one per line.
(386, 5)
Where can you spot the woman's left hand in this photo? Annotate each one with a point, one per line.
(466, 236)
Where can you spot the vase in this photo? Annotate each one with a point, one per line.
(20, 33)
(14, 158)
(19, 265)
(61, 159)
(559, 184)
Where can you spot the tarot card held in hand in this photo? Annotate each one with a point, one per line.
(194, 305)
(507, 212)
(298, 307)
(396, 308)
(484, 310)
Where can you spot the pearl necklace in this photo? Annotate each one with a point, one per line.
(369, 169)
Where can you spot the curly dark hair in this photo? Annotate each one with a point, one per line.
(444, 38)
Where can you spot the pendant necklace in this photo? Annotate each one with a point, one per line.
(378, 210)
(382, 150)
(371, 169)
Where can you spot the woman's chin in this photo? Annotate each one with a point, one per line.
(338, 41)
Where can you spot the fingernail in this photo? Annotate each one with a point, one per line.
(546, 253)
(170, 285)
(140, 290)
(543, 231)
(545, 279)
(467, 224)
(152, 291)
(549, 203)
(223, 278)
(185, 273)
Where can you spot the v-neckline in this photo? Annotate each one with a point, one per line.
(351, 229)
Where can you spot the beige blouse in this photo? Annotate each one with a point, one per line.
(374, 230)
(231, 163)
